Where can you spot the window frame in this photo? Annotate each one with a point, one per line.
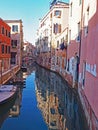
(3, 49)
(14, 28)
(57, 13)
(2, 30)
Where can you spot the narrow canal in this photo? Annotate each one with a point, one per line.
(43, 102)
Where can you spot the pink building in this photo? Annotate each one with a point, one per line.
(88, 73)
(82, 70)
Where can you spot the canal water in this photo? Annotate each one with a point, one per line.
(44, 101)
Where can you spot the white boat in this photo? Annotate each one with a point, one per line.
(6, 93)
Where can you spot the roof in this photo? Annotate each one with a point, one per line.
(55, 2)
(3, 21)
(13, 21)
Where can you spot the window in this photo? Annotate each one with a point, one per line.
(86, 22)
(13, 43)
(6, 49)
(57, 13)
(69, 36)
(9, 34)
(6, 32)
(2, 48)
(57, 28)
(80, 1)
(71, 9)
(78, 35)
(2, 30)
(15, 28)
(57, 44)
(9, 49)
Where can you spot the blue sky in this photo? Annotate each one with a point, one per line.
(30, 11)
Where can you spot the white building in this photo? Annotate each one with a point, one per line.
(52, 25)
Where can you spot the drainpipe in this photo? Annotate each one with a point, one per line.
(51, 40)
(67, 48)
(1, 72)
(81, 29)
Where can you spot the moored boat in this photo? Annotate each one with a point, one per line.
(6, 93)
(24, 69)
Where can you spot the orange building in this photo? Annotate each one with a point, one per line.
(5, 44)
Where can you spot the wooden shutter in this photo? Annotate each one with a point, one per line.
(59, 28)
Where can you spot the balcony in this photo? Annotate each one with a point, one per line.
(63, 46)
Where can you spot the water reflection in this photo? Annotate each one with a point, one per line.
(5, 110)
(58, 104)
(15, 109)
(12, 107)
(52, 100)
(23, 113)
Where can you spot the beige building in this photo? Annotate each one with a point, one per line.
(16, 41)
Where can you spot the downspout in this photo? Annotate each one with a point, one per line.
(67, 48)
(1, 72)
(81, 26)
(81, 29)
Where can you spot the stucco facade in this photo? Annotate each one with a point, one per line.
(16, 41)
(88, 73)
(51, 25)
(5, 45)
(52, 33)
(76, 61)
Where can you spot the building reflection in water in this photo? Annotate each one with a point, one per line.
(12, 107)
(4, 111)
(58, 104)
(15, 110)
